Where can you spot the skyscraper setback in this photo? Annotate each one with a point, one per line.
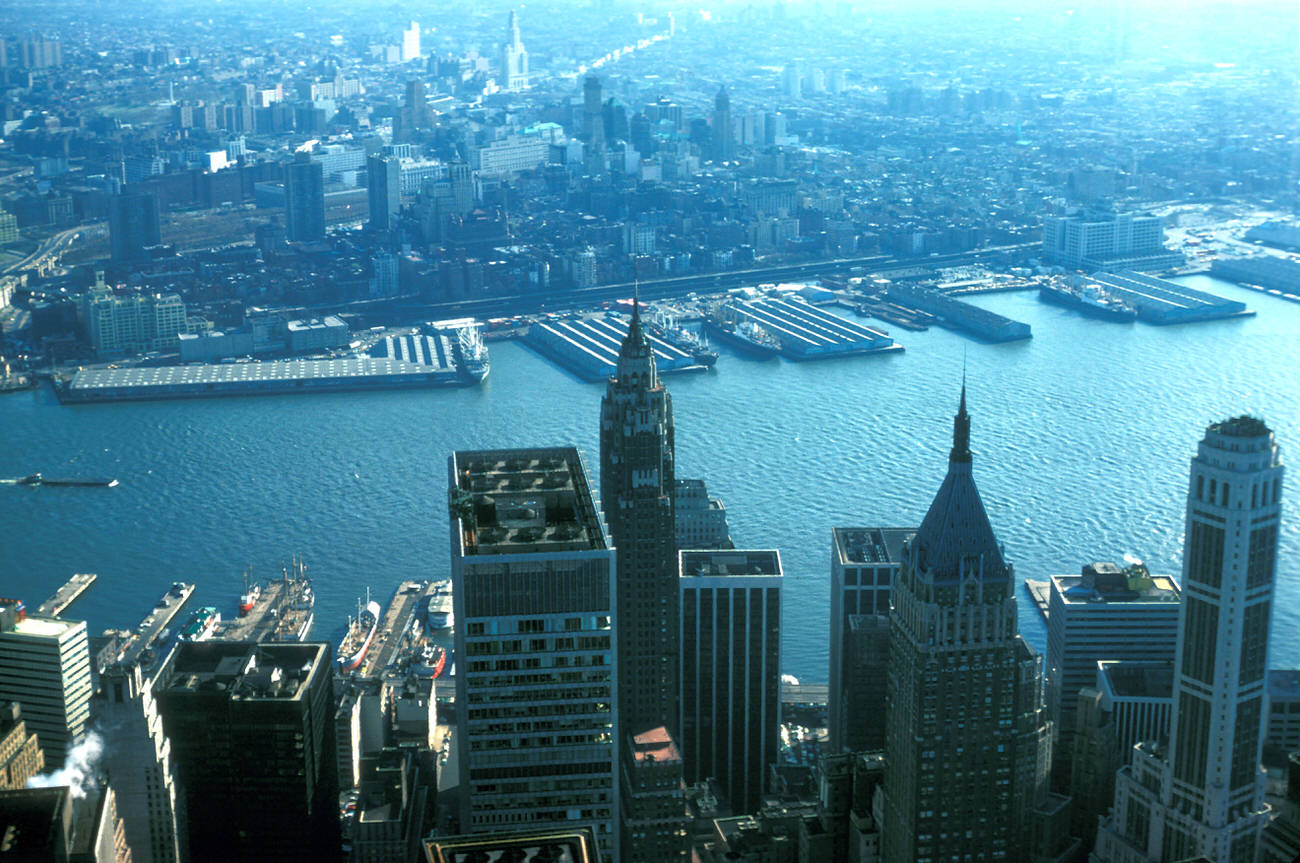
(636, 488)
(966, 735)
(1203, 794)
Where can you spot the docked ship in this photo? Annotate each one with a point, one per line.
(440, 614)
(201, 625)
(432, 662)
(249, 597)
(1090, 300)
(663, 326)
(469, 351)
(746, 336)
(295, 612)
(359, 637)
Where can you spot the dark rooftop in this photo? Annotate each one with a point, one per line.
(574, 845)
(245, 670)
(871, 544)
(1242, 426)
(730, 562)
(1130, 679)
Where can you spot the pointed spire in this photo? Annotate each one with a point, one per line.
(961, 428)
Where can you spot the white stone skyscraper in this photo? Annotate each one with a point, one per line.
(1202, 795)
(514, 58)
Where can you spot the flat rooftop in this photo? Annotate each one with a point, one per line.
(573, 845)
(244, 670)
(859, 545)
(655, 746)
(227, 373)
(524, 501)
(1107, 582)
(1129, 679)
(44, 627)
(730, 562)
(1284, 683)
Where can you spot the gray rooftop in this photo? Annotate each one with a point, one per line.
(244, 670)
(868, 545)
(712, 562)
(1130, 679)
(165, 376)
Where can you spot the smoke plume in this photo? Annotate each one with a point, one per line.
(78, 770)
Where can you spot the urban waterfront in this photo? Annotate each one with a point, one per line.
(1082, 439)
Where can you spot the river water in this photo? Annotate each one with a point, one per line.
(1082, 439)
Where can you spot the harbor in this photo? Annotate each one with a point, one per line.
(954, 314)
(278, 610)
(69, 593)
(399, 629)
(1272, 275)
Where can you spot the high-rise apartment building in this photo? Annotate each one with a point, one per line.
(536, 640)
(1105, 613)
(45, 668)
(304, 200)
(514, 58)
(1203, 793)
(411, 42)
(384, 187)
(864, 565)
(967, 739)
(636, 489)
(731, 670)
(252, 733)
(133, 226)
(138, 764)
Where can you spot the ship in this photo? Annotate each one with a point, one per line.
(746, 336)
(663, 326)
(295, 614)
(249, 597)
(432, 662)
(360, 635)
(201, 625)
(440, 614)
(1091, 301)
(36, 479)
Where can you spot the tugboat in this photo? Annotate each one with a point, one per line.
(432, 661)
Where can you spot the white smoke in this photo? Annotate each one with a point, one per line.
(78, 770)
(1132, 559)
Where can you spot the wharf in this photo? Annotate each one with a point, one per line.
(395, 627)
(1159, 301)
(1279, 277)
(141, 644)
(1039, 591)
(67, 594)
(956, 314)
(589, 346)
(807, 332)
(280, 613)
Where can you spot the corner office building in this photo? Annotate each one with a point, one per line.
(45, 667)
(731, 670)
(252, 733)
(533, 585)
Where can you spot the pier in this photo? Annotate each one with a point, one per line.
(1039, 591)
(394, 628)
(282, 612)
(807, 332)
(956, 314)
(141, 644)
(1159, 301)
(589, 346)
(67, 594)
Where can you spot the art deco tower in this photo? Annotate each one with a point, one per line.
(636, 489)
(1204, 794)
(967, 741)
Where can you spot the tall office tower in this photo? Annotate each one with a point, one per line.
(724, 137)
(864, 566)
(411, 42)
(536, 640)
(967, 738)
(654, 799)
(636, 489)
(1204, 793)
(132, 226)
(45, 667)
(137, 760)
(1105, 613)
(416, 110)
(461, 178)
(514, 59)
(252, 732)
(731, 670)
(21, 757)
(304, 200)
(384, 178)
(593, 126)
(1108, 241)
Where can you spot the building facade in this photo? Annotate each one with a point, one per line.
(654, 800)
(304, 200)
(731, 670)
(21, 756)
(133, 226)
(637, 489)
(384, 179)
(1203, 793)
(131, 323)
(45, 668)
(536, 645)
(968, 743)
(701, 521)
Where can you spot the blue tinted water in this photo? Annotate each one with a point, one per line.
(1082, 438)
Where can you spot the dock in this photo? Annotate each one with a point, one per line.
(282, 612)
(141, 645)
(807, 332)
(1279, 277)
(66, 595)
(1159, 301)
(1039, 591)
(955, 314)
(395, 627)
(589, 346)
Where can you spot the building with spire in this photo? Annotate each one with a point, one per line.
(967, 740)
(514, 58)
(637, 486)
(1202, 795)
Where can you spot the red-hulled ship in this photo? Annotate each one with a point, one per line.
(360, 635)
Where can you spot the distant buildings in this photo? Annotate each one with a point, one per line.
(731, 668)
(133, 226)
(384, 176)
(701, 521)
(1099, 241)
(252, 733)
(411, 42)
(304, 200)
(45, 668)
(513, 73)
(1202, 794)
(536, 675)
(130, 323)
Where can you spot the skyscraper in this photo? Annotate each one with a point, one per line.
(636, 489)
(45, 667)
(411, 42)
(593, 126)
(514, 59)
(731, 670)
(133, 226)
(967, 741)
(724, 137)
(304, 200)
(252, 731)
(384, 176)
(654, 800)
(536, 639)
(1203, 794)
